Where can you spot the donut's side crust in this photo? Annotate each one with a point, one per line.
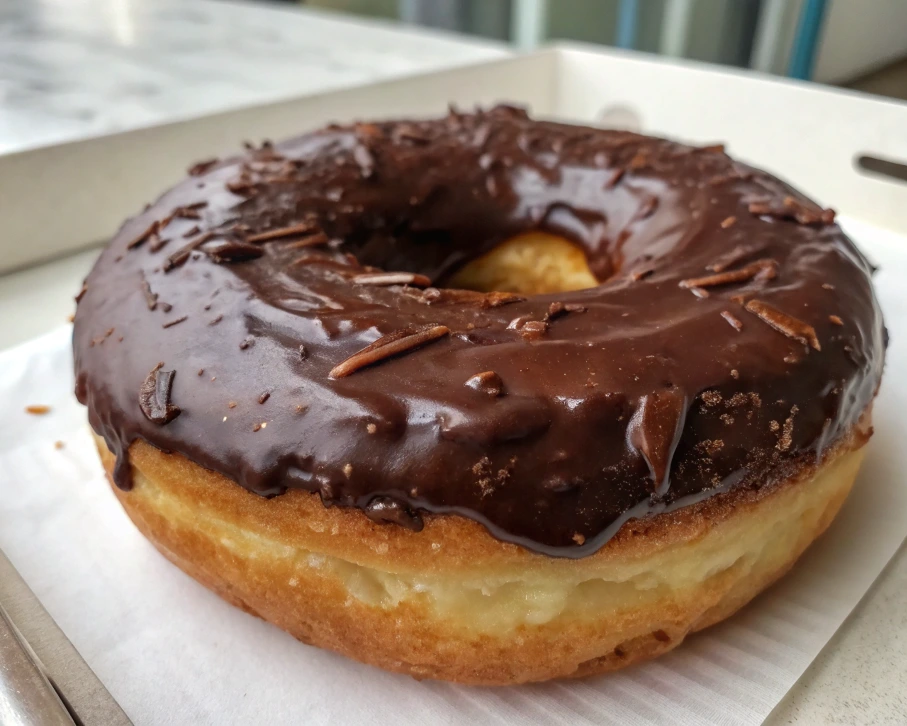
(453, 603)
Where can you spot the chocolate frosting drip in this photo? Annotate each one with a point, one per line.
(734, 330)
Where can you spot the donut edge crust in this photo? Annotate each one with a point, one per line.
(280, 576)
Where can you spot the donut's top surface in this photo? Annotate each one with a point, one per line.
(734, 330)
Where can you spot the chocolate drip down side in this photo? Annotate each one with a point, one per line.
(297, 294)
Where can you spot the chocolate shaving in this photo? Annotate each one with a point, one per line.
(216, 320)
(188, 211)
(241, 188)
(264, 396)
(647, 209)
(487, 382)
(226, 250)
(81, 293)
(784, 323)
(201, 167)
(699, 292)
(640, 160)
(178, 258)
(246, 343)
(728, 222)
(37, 409)
(392, 278)
(156, 242)
(313, 240)
(401, 341)
(615, 178)
(413, 135)
(301, 228)
(497, 299)
(192, 232)
(760, 269)
(154, 396)
(835, 319)
(139, 239)
(732, 257)
(793, 209)
(387, 510)
(642, 274)
(365, 161)
(527, 327)
(558, 310)
(733, 320)
(729, 177)
(176, 321)
(150, 297)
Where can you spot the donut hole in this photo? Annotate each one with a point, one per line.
(533, 263)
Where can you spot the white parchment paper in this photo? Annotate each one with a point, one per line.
(172, 653)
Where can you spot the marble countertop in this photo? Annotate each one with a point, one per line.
(76, 68)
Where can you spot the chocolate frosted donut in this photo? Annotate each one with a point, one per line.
(294, 321)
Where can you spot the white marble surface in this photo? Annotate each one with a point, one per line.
(75, 68)
(71, 68)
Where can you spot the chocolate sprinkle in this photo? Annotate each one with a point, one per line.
(392, 278)
(201, 167)
(226, 250)
(731, 258)
(139, 239)
(558, 310)
(733, 320)
(784, 323)
(793, 209)
(178, 258)
(761, 269)
(278, 233)
(312, 240)
(175, 321)
(402, 341)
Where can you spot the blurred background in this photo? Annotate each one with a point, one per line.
(857, 43)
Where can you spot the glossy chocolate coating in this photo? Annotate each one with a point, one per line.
(651, 391)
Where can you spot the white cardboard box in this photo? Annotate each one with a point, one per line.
(59, 199)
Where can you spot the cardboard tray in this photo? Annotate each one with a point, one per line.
(62, 198)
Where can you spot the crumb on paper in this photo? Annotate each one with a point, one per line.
(58, 445)
(37, 409)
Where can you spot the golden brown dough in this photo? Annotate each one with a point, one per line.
(453, 603)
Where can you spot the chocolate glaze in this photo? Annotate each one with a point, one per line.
(552, 419)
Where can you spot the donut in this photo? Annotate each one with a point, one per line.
(481, 398)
